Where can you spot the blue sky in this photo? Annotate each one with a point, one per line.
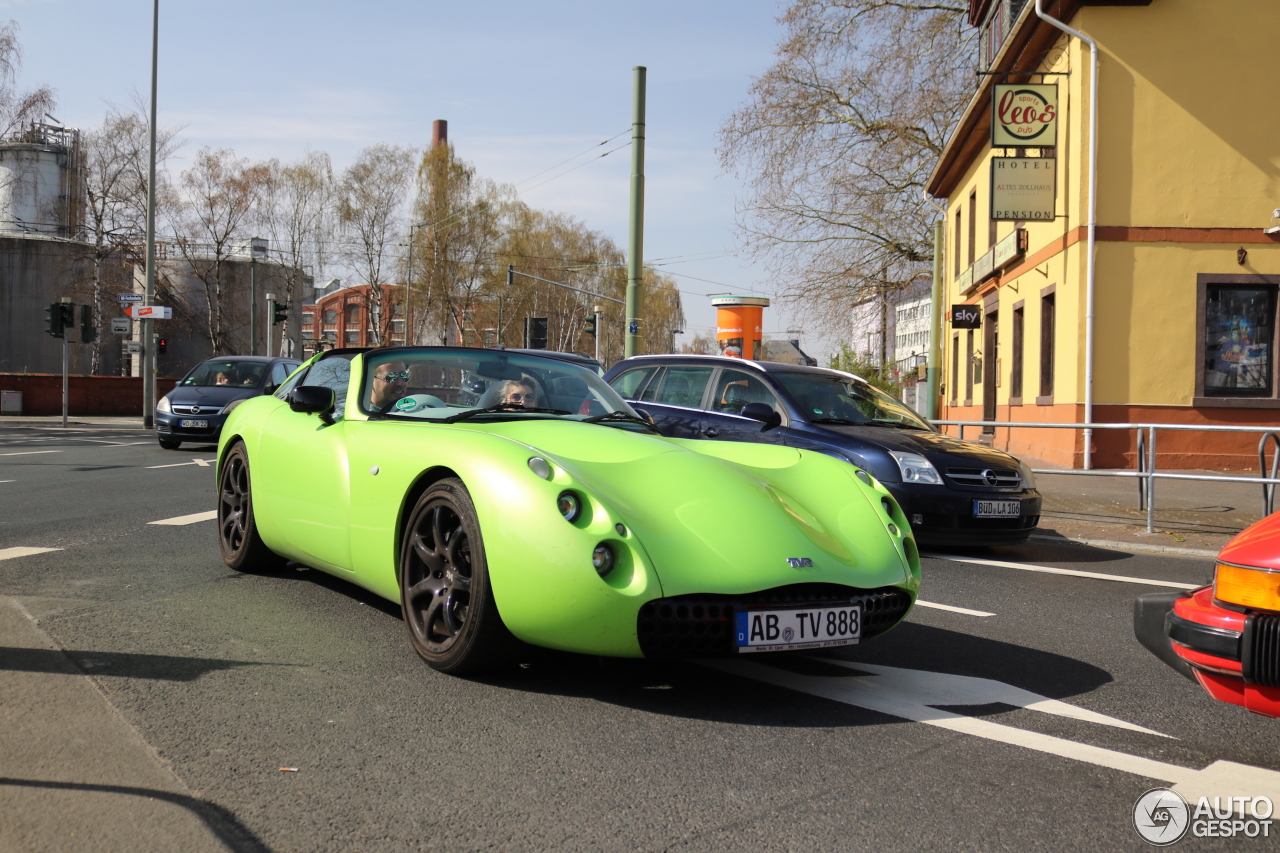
(523, 85)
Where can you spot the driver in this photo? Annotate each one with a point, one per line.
(519, 392)
(390, 381)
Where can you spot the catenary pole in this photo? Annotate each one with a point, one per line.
(935, 327)
(149, 288)
(635, 241)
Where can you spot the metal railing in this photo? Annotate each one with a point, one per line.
(1146, 456)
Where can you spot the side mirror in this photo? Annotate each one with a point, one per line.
(313, 400)
(764, 413)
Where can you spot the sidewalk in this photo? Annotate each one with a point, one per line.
(73, 421)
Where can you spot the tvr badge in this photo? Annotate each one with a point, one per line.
(800, 562)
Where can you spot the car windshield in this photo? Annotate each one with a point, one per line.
(455, 383)
(240, 374)
(837, 399)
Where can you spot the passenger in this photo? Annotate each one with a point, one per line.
(390, 381)
(221, 379)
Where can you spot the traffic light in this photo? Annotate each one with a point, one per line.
(279, 312)
(162, 346)
(88, 334)
(68, 315)
(590, 327)
(53, 324)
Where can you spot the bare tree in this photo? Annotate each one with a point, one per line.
(115, 163)
(837, 140)
(18, 109)
(371, 200)
(295, 215)
(221, 193)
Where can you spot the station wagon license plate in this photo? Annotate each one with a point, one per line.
(193, 424)
(997, 509)
(798, 628)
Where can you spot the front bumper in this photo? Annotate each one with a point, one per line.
(169, 425)
(1234, 655)
(946, 516)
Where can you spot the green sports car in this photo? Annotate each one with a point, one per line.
(504, 497)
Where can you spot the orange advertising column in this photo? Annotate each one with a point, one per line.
(739, 324)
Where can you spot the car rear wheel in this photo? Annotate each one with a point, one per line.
(238, 540)
(170, 443)
(445, 595)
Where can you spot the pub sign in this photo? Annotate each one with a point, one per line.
(1024, 115)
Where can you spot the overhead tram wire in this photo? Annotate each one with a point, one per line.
(574, 157)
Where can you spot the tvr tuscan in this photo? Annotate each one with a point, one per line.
(503, 497)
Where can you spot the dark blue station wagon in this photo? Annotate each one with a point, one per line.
(954, 492)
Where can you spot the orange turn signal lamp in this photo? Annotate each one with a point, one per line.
(1247, 587)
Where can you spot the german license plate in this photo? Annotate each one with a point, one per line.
(997, 509)
(193, 424)
(798, 628)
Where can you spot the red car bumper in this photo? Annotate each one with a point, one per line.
(1234, 655)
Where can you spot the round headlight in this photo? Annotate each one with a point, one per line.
(569, 505)
(602, 559)
(541, 467)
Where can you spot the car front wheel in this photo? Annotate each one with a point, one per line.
(238, 540)
(170, 443)
(448, 604)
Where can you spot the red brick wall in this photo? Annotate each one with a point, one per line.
(86, 395)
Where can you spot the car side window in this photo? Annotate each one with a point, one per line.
(279, 373)
(734, 389)
(627, 384)
(332, 372)
(679, 386)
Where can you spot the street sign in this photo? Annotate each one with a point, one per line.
(120, 325)
(149, 312)
(133, 347)
(130, 297)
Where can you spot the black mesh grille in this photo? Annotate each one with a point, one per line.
(701, 625)
(1260, 650)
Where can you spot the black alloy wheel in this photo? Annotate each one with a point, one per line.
(170, 443)
(238, 540)
(445, 595)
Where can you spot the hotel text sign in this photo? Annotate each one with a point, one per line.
(1024, 115)
(1023, 188)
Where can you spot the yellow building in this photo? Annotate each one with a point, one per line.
(1187, 266)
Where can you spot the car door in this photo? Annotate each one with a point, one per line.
(301, 473)
(674, 397)
(732, 390)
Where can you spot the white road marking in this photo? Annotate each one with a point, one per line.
(908, 694)
(953, 609)
(203, 463)
(10, 553)
(1073, 572)
(8, 481)
(30, 452)
(188, 519)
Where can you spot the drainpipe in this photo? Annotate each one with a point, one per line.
(1092, 224)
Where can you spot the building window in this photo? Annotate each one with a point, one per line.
(968, 368)
(1046, 346)
(955, 366)
(1015, 378)
(1237, 340)
(352, 338)
(955, 245)
(306, 319)
(331, 317)
(353, 315)
(973, 226)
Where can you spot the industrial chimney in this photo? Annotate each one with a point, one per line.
(439, 132)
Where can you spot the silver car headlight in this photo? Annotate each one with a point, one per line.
(916, 469)
(1028, 478)
(163, 405)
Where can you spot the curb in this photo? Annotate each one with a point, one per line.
(1128, 546)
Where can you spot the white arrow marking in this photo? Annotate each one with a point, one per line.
(10, 553)
(952, 608)
(907, 693)
(1073, 572)
(30, 452)
(188, 519)
(203, 463)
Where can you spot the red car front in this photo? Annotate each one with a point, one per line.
(1226, 636)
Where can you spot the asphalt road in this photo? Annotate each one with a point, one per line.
(919, 739)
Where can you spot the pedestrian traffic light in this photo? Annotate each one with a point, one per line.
(53, 323)
(162, 346)
(88, 334)
(279, 312)
(590, 327)
(68, 315)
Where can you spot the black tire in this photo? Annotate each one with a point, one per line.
(238, 540)
(170, 443)
(445, 595)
